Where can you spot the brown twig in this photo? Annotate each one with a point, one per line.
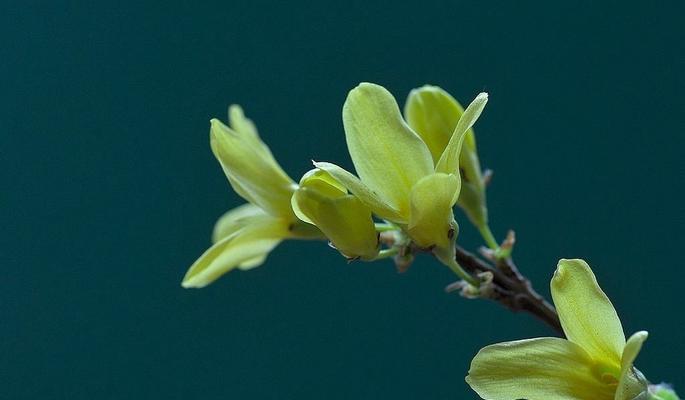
(509, 287)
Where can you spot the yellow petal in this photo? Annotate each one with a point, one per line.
(234, 220)
(472, 198)
(587, 316)
(364, 193)
(252, 263)
(536, 369)
(243, 125)
(243, 249)
(432, 113)
(324, 182)
(632, 349)
(389, 157)
(432, 198)
(449, 160)
(344, 219)
(472, 201)
(632, 383)
(251, 168)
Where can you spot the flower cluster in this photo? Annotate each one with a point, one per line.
(411, 171)
(412, 168)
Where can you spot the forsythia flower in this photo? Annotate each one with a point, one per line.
(344, 219)
(245, 235)
(433, 114)
(594, 363)
(399, 180)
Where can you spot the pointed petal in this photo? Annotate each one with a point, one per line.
(244, 126)
(432, 199)
(632, 349)
(449, 160)
(364, 193)
(242, 249)
(432, 113)
(587, 316)
(250, 167)
(631, 383)
(234, 220)
(536, 369)
(389, 157)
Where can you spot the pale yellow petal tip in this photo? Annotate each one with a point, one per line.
(321, 164)
(632, 348)
(196, 280)
(637, 339)
(365, 88)
(366, 84)
(216, 126)
(193, 279)
(565, 267)
(235, 108)
(425, 88)
(640, 335)
(190, 283)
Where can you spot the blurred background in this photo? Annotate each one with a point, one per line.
(110, 190)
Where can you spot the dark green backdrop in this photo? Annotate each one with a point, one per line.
(109, 189)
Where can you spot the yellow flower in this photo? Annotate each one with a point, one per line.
(595, 362)
(343, 218)
(433, 114)
(398, 177)
(245, 235)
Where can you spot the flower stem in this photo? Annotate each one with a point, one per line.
(510, 288)
(387, 253)
(488, 237)
(461, 272)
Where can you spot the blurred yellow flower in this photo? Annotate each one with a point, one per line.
(595, 362)
(433, 114)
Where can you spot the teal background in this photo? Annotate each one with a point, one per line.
(109, 189)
